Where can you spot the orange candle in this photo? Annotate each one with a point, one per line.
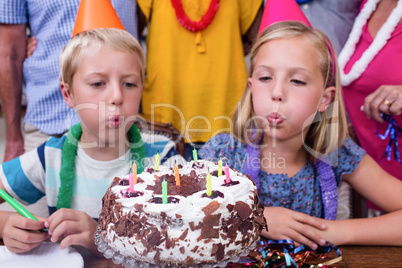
(177, 174)
(135, 172)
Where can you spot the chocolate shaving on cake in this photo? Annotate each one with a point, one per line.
(192, 226)
(220, 254)
(157, 256)
(184, 235)
(154, 238)
(207, 230)
(232, 232)
(243, 209)
(168, 243)
(211, 207)
(218, 250)
(138, 207)
(211, 220)
(245, 226)
(230, 207)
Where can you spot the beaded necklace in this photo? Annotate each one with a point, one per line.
(195, 26)
(378, 43)
(68, 156)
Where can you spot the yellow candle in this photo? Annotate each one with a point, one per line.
(209, 186)
(164, 192)
(220, 167)
(157, 161)
(135, 172)
(177, 174)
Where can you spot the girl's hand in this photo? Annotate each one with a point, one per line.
(386, 99)
(72, 227)
(301, 228)
(21, 234)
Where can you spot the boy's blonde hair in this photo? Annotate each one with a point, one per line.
(83, 42)
(329, 129)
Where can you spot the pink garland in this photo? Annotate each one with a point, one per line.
(195, 26)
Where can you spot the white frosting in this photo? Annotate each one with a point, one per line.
(182, 216)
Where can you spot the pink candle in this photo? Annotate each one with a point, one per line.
(131, 182)
(227, 173)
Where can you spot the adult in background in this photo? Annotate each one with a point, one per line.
(196, 70)
(370, 64)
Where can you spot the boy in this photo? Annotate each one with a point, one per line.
(102, 77)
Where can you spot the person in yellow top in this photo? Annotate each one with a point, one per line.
(196, 71)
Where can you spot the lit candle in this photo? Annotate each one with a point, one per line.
(135, 172)
(177, 174)
(157, 161)
(209, 186)
(195, 156)
(130, 181)
(227, 173)
(164, 192)
(220, 167)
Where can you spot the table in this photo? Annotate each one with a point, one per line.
(355, 256)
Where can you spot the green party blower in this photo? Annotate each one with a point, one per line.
(20, 209)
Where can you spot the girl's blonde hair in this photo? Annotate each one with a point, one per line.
(86, 41)
(329, 129)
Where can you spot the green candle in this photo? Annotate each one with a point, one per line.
(209, 186)
(17, 206)
(164, 192)
(195, 156)
(157, 161)
(220, 167)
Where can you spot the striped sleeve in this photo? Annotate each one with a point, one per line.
(24, 177)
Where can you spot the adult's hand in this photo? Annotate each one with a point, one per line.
(386, 100)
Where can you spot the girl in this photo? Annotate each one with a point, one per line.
(289, 135)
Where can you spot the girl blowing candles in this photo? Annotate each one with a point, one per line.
(289, 134)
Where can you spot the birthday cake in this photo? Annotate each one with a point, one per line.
(204, 219)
